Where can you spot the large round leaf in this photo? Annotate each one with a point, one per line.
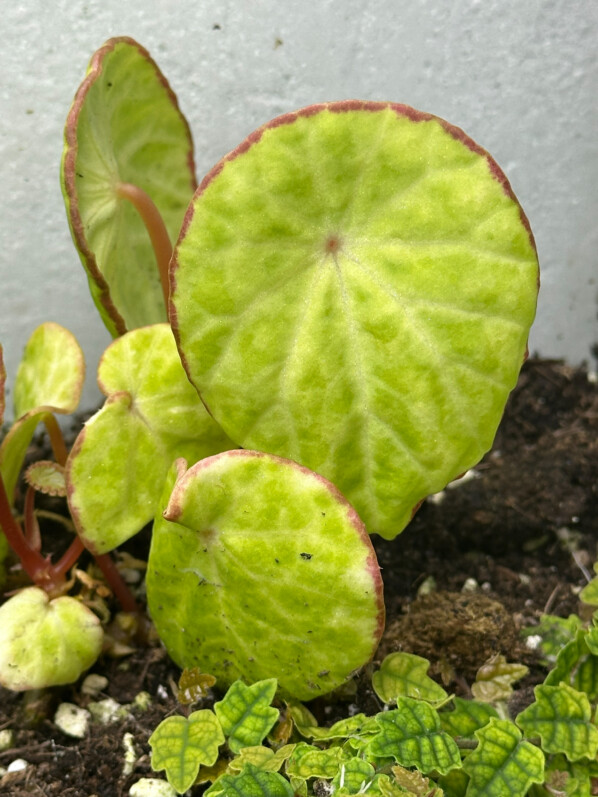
(353, 289)
(124, 126)
(261, 569)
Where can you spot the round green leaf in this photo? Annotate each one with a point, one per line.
(406, 675)
(46, 643)
(117, 466)
(49, 380)
(124, 126)
(260, 569)
(51, 371)
(46, 477)
(353, 289)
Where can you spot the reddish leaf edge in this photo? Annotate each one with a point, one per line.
(94, 71)
(173, 511)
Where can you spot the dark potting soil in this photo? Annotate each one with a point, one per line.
(515, 538)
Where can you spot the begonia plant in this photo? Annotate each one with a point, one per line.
(318, 336)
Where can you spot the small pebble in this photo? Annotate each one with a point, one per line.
(152, 787)
(72, 720)
(162, 692)
(468, 476)
(533, 642)
(427, 586)
(436, 498)
(107, 711)
(94, 684)
(18, 765)
(142, 701)
(7, 739)
(130, 754)
(470, 585)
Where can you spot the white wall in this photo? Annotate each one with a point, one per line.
(518, 75)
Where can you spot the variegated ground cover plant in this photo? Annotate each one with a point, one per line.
(425, 742)
(332, 337)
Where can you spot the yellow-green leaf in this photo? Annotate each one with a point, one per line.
(181, 744)
(562, 717)
(502, 764)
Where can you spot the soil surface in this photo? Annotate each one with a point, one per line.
(513, 539)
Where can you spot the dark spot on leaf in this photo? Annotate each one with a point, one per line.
(216, 27)
(277, 561)
(109, 84)
(305, 555)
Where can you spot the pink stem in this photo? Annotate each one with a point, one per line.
(32, 532)
(32, 561)
(155, 226)
(56, 438)
(115, 580)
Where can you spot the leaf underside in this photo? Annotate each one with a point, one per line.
(353, 290)
(124, 126)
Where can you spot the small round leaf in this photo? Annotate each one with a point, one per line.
(260, 569)
(46, 642)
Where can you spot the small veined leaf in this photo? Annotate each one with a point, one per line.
(495, 678)
(454, 783)
(577, 666)
(193, 685)
(301, 715)
(415, 783)
(413, 736)
(181, 744)
(49, 381)
(467, 717)
(151, 416)
(340, 730)
(259, 557)
(46, 477)
(353, 775)
(308, 761)
(502, 763)
(251, 782)
(46, 642)
(124, 126)
(562, 718)
(262, 758)
(245, 713)
(406, 675)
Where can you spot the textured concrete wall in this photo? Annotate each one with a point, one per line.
(518, 75)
